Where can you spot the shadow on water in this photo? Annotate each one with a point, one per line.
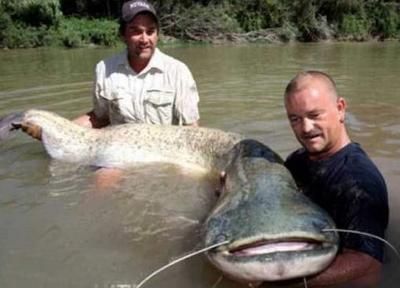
(59, 228)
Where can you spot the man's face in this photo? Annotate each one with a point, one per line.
(316, 116)
(141, 36)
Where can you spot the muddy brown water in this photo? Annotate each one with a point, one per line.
(59, 229)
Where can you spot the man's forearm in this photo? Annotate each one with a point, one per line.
(90, 120)
(194, 124)
(349, 269)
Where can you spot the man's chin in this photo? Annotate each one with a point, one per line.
(142, 55)
(145, 54)
(313, 149)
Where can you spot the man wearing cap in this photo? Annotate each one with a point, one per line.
(139, 85)
(142, 84)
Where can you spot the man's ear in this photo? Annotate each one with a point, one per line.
(341, 105)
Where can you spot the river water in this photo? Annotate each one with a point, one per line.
(62, 227)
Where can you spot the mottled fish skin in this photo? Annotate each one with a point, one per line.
(128, 144)
(259, 204)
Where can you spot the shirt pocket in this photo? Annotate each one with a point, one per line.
(159, 106)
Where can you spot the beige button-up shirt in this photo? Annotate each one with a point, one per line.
(162, 93)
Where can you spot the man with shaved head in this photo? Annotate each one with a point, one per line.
(339, 176)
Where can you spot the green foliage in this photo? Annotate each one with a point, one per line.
(305, 17)
(34, 13)
(202, 23)
(337, 10)
(259, 14)
(76, 32)
(33, 23)
(21, 36)
(71, 33)
(17, 34)
(5, 21)
(354, 27)
(385, 19)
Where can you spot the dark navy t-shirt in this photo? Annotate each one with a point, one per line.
(351, 189)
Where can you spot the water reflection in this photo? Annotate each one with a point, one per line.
(59, 229)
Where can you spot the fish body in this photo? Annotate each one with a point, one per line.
(274, 231)
(127, 144)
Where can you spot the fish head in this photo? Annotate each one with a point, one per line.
(274, 232)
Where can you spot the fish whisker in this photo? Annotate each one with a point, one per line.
(180, 260)
(305, 282)
(218, 281)
(364, 234)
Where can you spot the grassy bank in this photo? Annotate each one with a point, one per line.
(34, 23)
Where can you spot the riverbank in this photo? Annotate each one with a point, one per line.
(34, 23)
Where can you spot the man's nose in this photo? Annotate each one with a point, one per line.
(143, 37)
(307, 125)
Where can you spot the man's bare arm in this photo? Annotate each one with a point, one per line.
(90, 120)
(194, 124)
(349, 269)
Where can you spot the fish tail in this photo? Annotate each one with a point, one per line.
(9, 124)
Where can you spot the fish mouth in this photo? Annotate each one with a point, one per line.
(274, 259)
(269, 245)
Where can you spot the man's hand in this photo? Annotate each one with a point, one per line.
(32, 130)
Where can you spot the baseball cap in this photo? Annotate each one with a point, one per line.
(131, 8)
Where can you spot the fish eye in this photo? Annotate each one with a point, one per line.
(222, 180)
